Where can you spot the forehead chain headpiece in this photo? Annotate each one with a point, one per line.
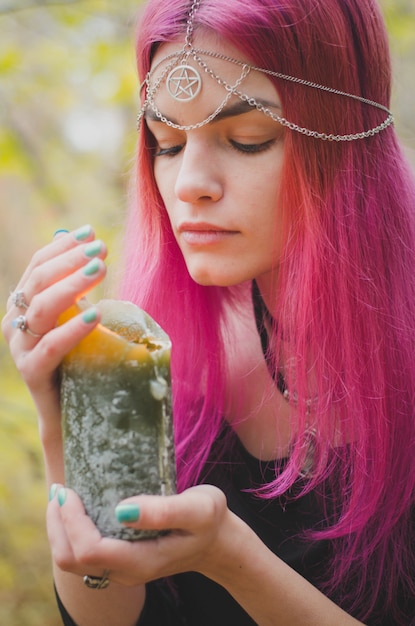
(184, 83)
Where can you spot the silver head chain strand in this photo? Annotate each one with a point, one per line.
(184, 83)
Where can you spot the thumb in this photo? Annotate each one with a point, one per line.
(196, 507)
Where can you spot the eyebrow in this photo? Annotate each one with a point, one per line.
(232, 110)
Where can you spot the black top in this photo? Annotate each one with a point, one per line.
(279, 524)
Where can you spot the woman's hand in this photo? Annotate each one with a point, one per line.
(198, 520)
(205, 537)
(57, 276)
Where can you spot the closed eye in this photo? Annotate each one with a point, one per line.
(171, 151)
(251, 148)
(245, 148)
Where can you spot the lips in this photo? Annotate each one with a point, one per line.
(203, 233)
(202, 227)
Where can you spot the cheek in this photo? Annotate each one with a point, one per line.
(270, 212)
(265, 194)
(163, 191)
(158, 178)
(165, 181)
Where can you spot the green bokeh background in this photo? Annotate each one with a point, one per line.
(68, 101)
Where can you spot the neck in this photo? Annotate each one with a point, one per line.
(267, 286)
(264, 321)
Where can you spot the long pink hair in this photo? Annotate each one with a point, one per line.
(347, 284)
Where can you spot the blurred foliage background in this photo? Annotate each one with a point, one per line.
(68, 100)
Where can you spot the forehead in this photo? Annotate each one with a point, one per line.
(190, 88)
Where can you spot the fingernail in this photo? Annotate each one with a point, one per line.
(52, 491)
(83, 232)
(92, 267)
(127, 513)
(60, 231)
(93, 248)
(62, 496)
(90, 315)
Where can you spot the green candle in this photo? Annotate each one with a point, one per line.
(117, 418)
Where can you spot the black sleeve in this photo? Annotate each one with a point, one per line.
(160, 608)
(66, 618)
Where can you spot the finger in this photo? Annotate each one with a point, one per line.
(194, 508)
(59, 244)
(61, 266)
(38, 365)
(46, 306)
(60, 232)
(63, 552)
(78, 544)
(60, 547)
(58, 267)
(42, 273)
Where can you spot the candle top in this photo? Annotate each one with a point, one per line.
(126, 334)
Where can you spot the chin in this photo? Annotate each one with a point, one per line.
(208, 282)
(215, 281)
(218, 275)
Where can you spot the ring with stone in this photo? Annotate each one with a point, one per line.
(18, 299)
(20, 322)
(97, 582)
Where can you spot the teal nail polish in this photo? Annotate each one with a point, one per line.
(62, 496)
(92, 267)
(60, 231)
(83, 232)
(90, 315)
(52, 491)
(127, 513)
(93, 248)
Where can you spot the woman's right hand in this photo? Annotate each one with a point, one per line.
(57, 277)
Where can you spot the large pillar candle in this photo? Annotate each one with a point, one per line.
(116, 412)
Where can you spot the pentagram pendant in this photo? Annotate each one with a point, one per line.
(184, 83)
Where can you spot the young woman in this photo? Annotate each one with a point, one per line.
(272, 235)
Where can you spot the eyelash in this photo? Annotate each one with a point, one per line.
(252, 148)
(167, 151)
(248, 148)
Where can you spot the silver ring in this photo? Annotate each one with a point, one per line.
(18, 299)
(97, 582)
(20, 322)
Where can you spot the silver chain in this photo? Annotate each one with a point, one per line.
(190, 20)
(232, 90)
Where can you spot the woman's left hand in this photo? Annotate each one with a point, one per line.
(205, 537)
(202, 531)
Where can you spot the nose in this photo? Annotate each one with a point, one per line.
(199, 176)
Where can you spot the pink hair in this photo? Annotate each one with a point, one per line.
(347, 293)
